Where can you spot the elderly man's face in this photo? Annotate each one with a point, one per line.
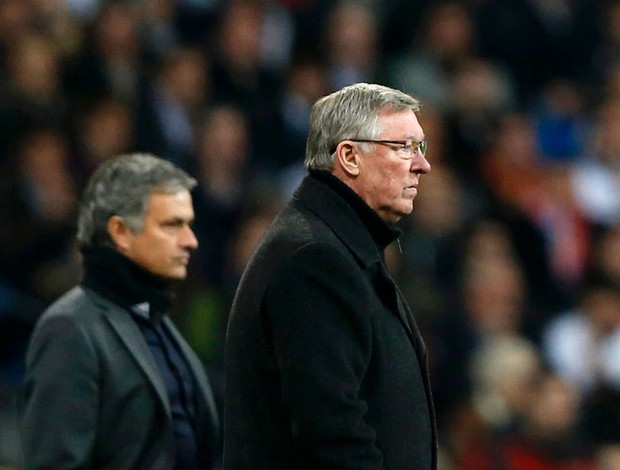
(387, 182)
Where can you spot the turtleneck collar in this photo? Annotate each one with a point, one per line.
(113, 275)
(382, 233)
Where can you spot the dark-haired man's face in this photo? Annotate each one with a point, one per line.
(164, 245)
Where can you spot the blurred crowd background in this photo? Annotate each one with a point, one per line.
(511, 260)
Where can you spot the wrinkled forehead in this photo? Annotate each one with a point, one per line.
(404, 121)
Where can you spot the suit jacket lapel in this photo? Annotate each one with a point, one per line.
(134, 341)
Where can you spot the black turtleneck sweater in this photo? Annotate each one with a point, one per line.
(147, 298)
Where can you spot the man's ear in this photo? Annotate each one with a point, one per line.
(348, 159)
(119, 232)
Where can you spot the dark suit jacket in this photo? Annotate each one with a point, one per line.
(325, 367)
(94, 397)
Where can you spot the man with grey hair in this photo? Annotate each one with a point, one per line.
(324, 364)
(110, 382)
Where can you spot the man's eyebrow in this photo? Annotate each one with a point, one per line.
(178, 220)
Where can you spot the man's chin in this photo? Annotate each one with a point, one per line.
(180, 276)
(174, 276)
(407, 209)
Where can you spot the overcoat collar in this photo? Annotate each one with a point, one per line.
(346, 223)
(326, 202)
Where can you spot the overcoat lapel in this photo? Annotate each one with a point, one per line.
(342, 219)
(348, 227)
(398, 305)
(345, 223)
(134, 341)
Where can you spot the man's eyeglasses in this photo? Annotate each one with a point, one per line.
(406, 149)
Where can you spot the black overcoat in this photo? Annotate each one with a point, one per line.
(325, 367)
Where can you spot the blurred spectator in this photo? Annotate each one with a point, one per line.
(278, 36)
(239, 76)
(480, 93)
(608, 457)
(158, 21)
(493, 288)
(532, 38)
(428, 267)
(551, 435)
(565, 227)
(547, 435)
(510, 167)
(491, 303)
(541, 195)
(583, 344)
(223, 159)
(305, 82)
(350, 44)
(427, 69)
(444, 70)
(33, 94)
(111, 61)
(102, 131)
(37, 259)
(560, 122)
(172, 104)
(56, 19)
(41, 209)
(16, 17)
(596, 180)
(605, 256)
(503, 373)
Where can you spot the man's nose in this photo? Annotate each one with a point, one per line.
(420, 165)
(188, 238)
